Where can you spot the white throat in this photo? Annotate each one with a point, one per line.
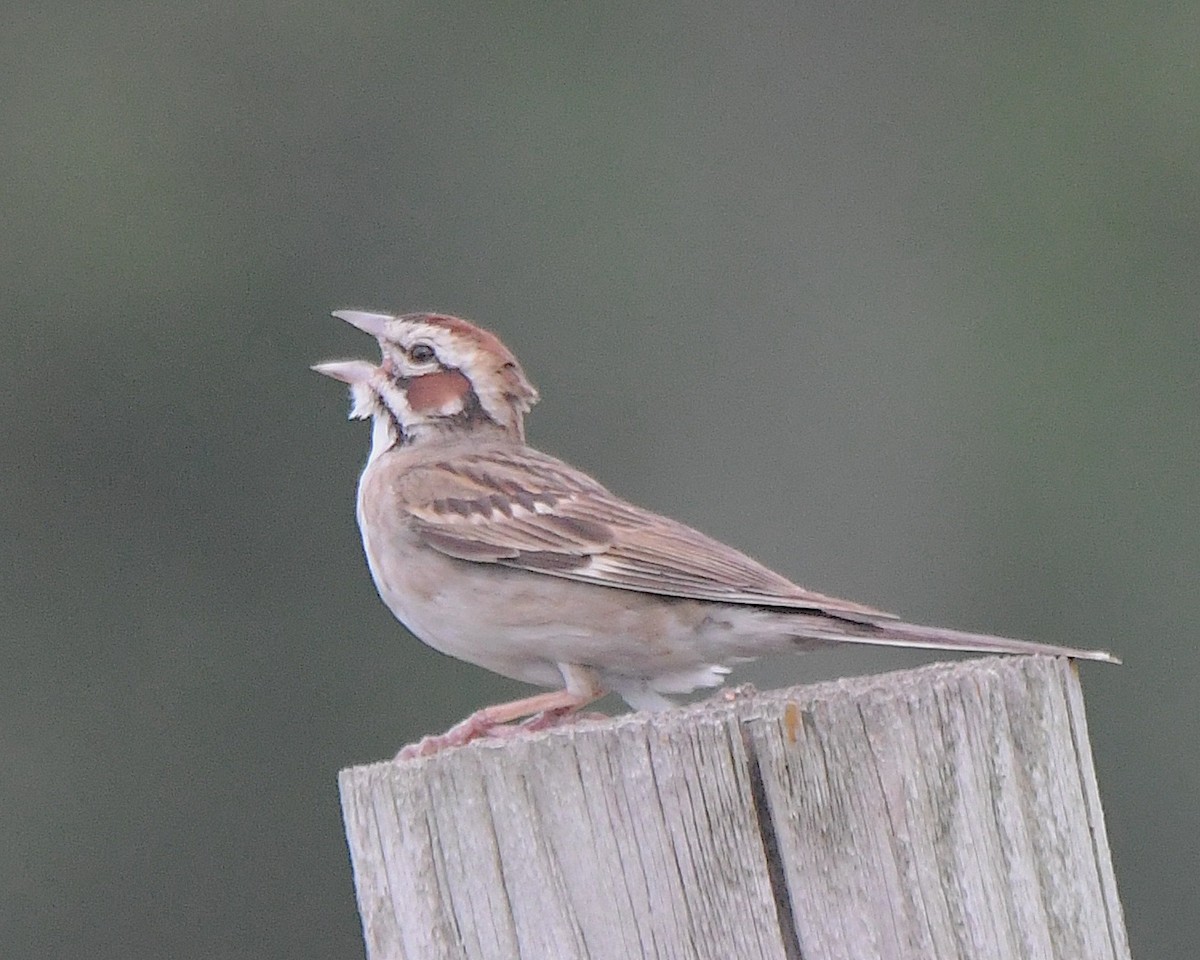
(383, 437)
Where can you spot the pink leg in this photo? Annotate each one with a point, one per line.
(489, 721)
(548, 719)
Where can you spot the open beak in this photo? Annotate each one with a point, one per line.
(373, 323)
(348, 371)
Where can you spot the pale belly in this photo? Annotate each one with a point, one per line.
(522, 625)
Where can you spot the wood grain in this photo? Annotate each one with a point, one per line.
(950, 811)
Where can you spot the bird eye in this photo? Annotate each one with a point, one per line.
(421, 353)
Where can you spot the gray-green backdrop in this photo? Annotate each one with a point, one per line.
(902, 299)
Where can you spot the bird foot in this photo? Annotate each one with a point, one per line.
(548, 719)
(743, 691)
(547, 709)
(484, 724)
(475, 726)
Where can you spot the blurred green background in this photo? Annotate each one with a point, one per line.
(902, 299)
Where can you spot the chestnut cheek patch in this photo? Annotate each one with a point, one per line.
(443, 393)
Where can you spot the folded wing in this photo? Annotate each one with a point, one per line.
(520, 508)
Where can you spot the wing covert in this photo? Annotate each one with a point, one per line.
(523, 509)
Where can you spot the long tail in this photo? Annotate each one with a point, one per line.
(896, 634)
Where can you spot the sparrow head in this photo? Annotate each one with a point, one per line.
(438, 374)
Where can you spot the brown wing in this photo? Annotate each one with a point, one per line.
(524, 509)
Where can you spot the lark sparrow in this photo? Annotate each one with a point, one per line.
(493, 552)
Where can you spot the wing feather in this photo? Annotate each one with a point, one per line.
(523, 509)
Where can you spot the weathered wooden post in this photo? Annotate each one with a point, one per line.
(950, 811)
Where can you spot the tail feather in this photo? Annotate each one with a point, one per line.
(896, 634)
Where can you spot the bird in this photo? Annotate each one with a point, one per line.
(503, 556)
